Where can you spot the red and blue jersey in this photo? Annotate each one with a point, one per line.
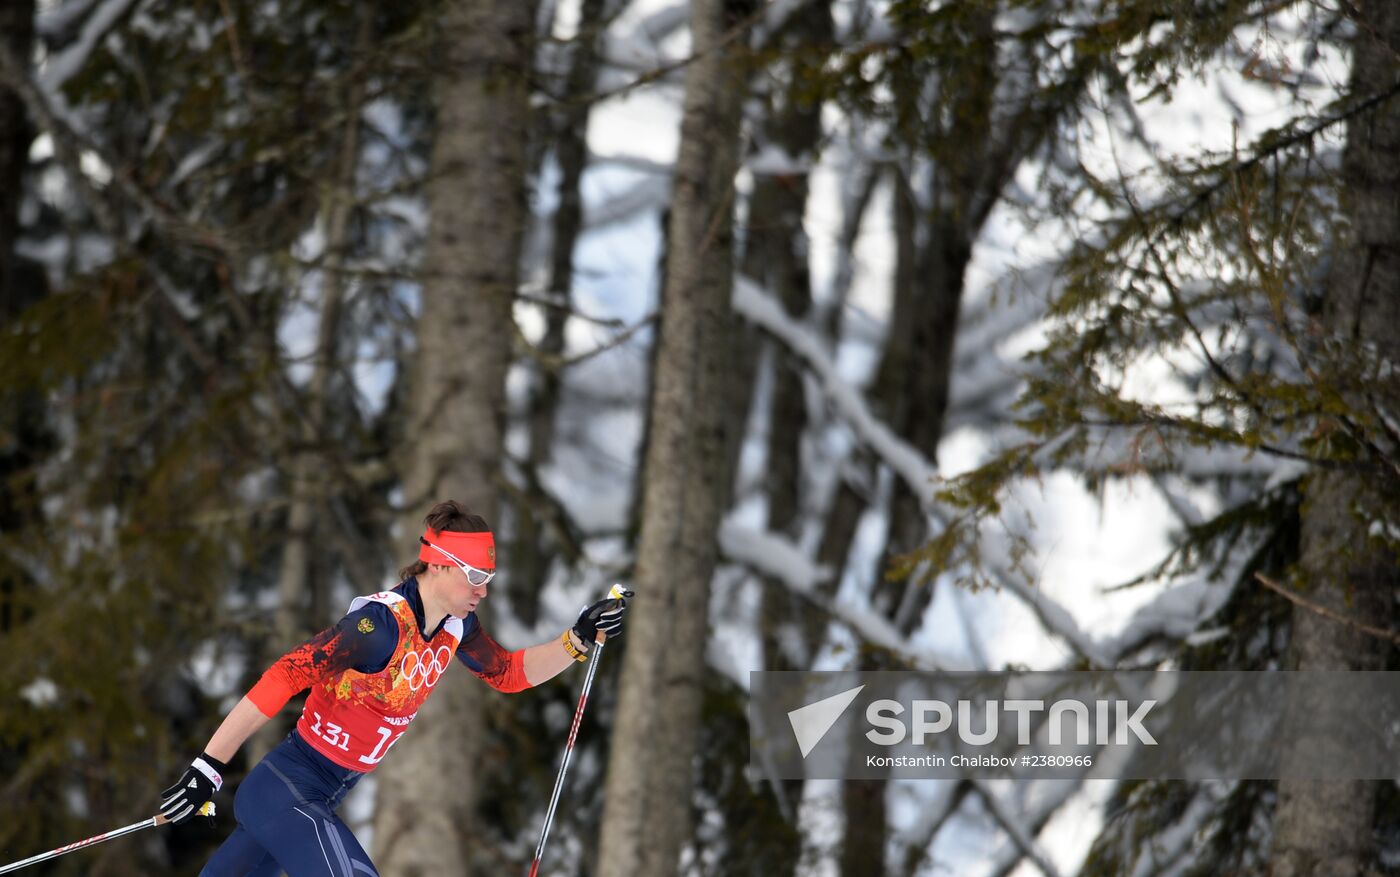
(371, 672)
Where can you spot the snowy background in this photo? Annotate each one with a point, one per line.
(1086, 542)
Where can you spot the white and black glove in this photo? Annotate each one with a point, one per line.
(605, 616)
(202, 779)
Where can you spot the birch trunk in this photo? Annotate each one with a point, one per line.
(426, 819)
(1326, 828)
(647, 815)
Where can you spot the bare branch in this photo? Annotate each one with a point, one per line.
(1297, 600)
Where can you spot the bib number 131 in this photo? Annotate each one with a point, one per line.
(332, 733)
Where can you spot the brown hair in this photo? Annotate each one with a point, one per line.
(448, 515)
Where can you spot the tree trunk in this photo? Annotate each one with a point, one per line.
(846, 505)
(1325, 828)
(942, 266)
(298, 592)
(864, 806)
(933, 248)
(426, 815)
(23, 423)
(775, 239)
(647, 816)
(963, 184)
(776, 255)
(863, 844)
(17, 30)
(532, 551)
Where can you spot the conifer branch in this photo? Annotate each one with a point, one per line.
(1226, 171)
(70, 144)
(1200, 433)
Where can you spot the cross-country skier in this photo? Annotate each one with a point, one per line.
(369, 674)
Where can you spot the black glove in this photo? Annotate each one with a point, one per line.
(605, 615)
(202, 779)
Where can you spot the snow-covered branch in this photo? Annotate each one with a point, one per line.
(1011, 824)
(1040, 814)
(784, 561)
(917, 472)
(751, 302)
(63, 66)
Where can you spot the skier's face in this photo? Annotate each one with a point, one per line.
(463, 584)
(464, 595)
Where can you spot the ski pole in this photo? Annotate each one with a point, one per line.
(617, 592)
(206, 810)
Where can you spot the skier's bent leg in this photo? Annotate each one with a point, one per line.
(316, 844)
(239, 856)
(286, 806)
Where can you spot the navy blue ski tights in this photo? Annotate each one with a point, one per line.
(287, 822)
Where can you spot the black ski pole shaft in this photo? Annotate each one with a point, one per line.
(92, 841)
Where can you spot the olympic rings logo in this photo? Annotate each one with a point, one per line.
(425, 667)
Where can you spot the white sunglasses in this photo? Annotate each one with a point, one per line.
(475, 576)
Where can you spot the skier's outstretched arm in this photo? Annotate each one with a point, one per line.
(205, 775)
(526, 668)
(242, 722)
(547, 660)
(346, 644)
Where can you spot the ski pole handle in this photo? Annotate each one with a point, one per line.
(616, 592)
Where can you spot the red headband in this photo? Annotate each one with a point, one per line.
(473, 549)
